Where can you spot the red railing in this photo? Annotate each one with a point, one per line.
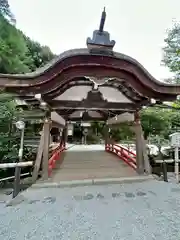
(124, 154)
(56, 155)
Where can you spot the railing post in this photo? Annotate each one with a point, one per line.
(164, 170)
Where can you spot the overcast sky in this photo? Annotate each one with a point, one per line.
(137, 26)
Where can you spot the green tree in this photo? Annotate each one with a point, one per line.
(155, 121)
(18, 53)
(122, 132)
(171, 58)
(39, 55)
(97, 128)
(6, 11)
(13, 49)
(7, 116)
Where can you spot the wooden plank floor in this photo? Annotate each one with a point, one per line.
(90, 165)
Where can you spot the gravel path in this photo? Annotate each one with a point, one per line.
(137, 211)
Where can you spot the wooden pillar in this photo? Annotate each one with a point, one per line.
(147, 166)
(65, 134)
(39, 155)
(106, 134)
(139, 145)
(61, 140)
(60, 135)
(47, 125)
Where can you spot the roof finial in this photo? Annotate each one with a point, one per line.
(101, 39)
(103, 19)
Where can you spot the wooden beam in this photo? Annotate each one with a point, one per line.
(77, 119)
(65, 113)
(80, 105)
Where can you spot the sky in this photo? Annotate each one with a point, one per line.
(138, 26)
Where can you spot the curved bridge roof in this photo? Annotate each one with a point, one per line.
(78, 63)
(129, 85)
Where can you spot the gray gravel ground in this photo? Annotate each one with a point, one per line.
(138, 211)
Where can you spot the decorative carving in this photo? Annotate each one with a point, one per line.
(101, 38)
(98, 81)
(120, 84)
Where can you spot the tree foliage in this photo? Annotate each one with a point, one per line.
(8, 143)
(171, 58)
(18, 54)
(155, 121)
(37, 54)
(13, 49)
(5, 11)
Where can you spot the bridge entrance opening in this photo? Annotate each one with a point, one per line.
(90, 84)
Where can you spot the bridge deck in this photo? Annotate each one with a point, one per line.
(77, 165)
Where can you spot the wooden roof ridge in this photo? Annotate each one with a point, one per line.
(80, 52)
